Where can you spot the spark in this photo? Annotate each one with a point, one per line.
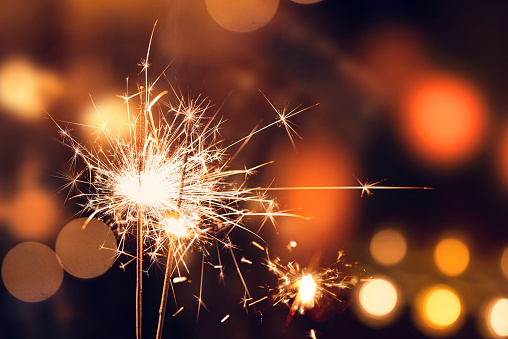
(258, 245)
(303, 288)
(284, 115)
(179, 310)
(312, 334)
(246, 261)
(259, 300)
(366, 188)
(225, 318)
(177, 280)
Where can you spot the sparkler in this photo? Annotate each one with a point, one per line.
(170, 179)
(303, 288)
(167, 180)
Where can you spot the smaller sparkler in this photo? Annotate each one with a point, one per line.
(303, 288)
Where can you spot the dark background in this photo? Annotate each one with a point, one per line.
(356, 59)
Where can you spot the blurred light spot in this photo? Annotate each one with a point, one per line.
(498, 317)
(442, 307)
(242, 15)
(438, 311)
(451, 256)
(444, 120)
(108, 113)
(31, 272)
(25, 89)
(292, 244)
(33, 214)
(388, 247)
(86, 253)
(504, 262)
(378, 297)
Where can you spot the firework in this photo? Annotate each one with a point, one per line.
(304, 288)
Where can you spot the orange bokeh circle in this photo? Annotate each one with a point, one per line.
(443, 120)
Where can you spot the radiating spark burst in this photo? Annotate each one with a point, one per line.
(168, 177)
(303, 288)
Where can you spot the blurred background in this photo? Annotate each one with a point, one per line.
(411, 92)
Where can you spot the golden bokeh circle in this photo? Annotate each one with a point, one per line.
(242, 15)
(451, 256)
(438, 311)
(86, 252)
(388, 247)
(31, 272)
(378, 297)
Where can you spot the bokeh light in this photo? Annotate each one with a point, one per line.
(86, 253)
(31, 272)
(388, 247)
(378, 297)
(497, 318)
(504, 262)
(242, 15)
(378, 301)
(33, 213)
(442, 307)
(443, 120)
(451, 256)
(438, 310)
(110, 112)
(25, 89)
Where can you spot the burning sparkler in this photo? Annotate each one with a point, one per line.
(168, 180)
(303, 288)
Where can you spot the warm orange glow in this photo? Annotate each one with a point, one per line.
(497, 317)
(444, 120)
(31, 272)
(451, 256)
(86, 253)
(25, 89)
(110, 114)
(33, 214)
(316, 164)
(378, 297)
(242, 15)
(388, 247)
